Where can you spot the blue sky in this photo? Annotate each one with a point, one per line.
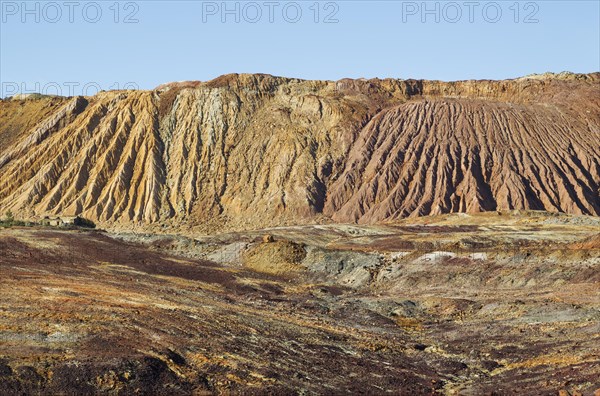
(188, 40)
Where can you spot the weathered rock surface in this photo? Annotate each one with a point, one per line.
(247, 150)
(456, 305)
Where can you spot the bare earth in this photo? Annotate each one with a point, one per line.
(270, 235)
(243, 152)
(456, 304)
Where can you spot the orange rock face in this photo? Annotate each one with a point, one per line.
(244, 151)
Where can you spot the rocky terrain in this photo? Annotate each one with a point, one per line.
(488, 304)
(247, 151)
(267, 235)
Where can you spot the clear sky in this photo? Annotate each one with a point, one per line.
(105, 44)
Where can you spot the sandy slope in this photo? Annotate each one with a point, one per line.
(244, 151)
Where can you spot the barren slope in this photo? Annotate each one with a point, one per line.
(443, 156)
(471, 305)
(248, 150)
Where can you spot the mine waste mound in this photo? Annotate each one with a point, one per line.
(243, 151)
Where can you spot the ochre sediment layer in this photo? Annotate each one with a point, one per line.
(244, 151)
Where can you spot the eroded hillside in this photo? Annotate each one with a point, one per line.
(248, 150)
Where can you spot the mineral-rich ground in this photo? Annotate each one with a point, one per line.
(495, 303)
(243, 152)
(269, 235)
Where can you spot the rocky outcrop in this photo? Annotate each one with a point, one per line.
(248, 150)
